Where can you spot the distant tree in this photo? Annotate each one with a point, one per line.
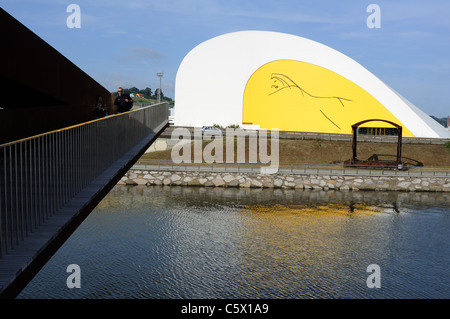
(133, 90)
(442, 121)
(147, 92)
(156, 94)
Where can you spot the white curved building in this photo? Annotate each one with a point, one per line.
(275, 80)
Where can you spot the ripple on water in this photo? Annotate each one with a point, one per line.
(179, 243)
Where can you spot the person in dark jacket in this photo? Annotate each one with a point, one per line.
(123, 102)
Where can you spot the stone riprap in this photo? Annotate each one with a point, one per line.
(286, 181)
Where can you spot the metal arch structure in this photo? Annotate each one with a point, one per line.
(354, 160)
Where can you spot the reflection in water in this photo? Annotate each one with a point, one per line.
(194, 242)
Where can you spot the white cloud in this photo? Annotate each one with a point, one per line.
(432, 67)
(139, 54)
(417, 12)
(112, 81)
(286, 16)
(416, 34)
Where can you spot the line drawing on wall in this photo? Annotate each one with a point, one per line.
(287, 83)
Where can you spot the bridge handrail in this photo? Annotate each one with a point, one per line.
(40, 174)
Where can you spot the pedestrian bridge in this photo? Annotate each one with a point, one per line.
(49, 184)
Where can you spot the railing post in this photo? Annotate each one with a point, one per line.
(40, 174)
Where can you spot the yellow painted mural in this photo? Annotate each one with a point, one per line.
(298, 96)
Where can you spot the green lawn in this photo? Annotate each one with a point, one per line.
(336, 152)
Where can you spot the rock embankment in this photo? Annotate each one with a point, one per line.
(294, 181)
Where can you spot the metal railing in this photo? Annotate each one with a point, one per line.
(297, 135)
(40, 174)
(294, 168)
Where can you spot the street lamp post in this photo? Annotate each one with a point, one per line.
(159, 74)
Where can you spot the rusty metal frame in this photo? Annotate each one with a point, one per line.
(355, 161)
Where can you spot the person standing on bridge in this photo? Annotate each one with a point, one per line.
(99, 108)
(123, 102)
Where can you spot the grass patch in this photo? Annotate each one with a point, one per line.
(319, 151)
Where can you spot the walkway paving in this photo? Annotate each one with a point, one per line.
(305, 170)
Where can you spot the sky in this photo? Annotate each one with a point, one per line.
(127, 42)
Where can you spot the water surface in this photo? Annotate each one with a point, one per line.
(194, 242)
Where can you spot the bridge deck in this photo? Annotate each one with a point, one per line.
(20, 264)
